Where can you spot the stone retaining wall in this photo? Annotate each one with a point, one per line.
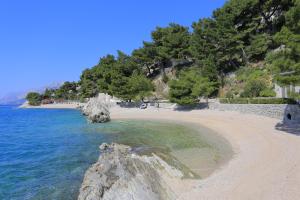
(288, 113)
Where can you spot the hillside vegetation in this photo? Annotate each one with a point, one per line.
(238, 52)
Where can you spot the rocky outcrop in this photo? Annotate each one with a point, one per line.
(120, 174)
(97, 109)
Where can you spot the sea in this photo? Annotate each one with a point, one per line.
(44, 153)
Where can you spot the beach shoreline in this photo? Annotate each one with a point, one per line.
(264, 165)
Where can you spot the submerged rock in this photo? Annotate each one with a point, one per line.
(120, 174)
(97, 109)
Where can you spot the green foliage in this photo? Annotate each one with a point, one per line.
(34, 98)
(204, 39)
(287, 80)
(239, 101)
(292, 17)
(259, 45)
(272, 101)
(281, 61)
(189, 87)
(181, 92)
(229, 94)
(49, 93)
(171, 41)
(120, 74)
(253, 88)
(236, 33)
(97, 79)
(141, 87)
(257, 101)
(120, 77)
(240, 32)
(215, 39)
(208, 69)
(68, 91)
(224, 100)
(287, 59)
(203, 87)
(88, 84)
(168, 43)
(147, 54)
(267, 92)
(248, 73)
(255, 82)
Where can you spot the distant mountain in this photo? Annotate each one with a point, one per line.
(17, 98)
(8, 101)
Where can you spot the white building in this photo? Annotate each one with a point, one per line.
(283, 91)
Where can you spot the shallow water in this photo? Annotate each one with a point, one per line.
(44, 153)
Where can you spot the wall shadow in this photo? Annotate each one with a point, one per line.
(199, 106)
(289, 128)
(129, 104)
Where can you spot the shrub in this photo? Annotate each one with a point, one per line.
(253, 88)
(189, 86)
(267, 93)
(238, 101)
(258, 101)
(229, 94)
(224, 100)
(272, 101)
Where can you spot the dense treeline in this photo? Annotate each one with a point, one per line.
(34, 98)
(121, 77)
(256, 39)
(67, 91)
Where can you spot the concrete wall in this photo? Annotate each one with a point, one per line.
(288, 113)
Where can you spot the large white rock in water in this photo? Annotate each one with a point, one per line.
(97, 109)
(121, 174)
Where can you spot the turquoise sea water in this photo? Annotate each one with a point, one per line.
(45, 153)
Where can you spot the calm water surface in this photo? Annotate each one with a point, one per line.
(44, 153)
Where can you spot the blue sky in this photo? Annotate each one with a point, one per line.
(42, 42)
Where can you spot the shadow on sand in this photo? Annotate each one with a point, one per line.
(289, 128)
(199, 106)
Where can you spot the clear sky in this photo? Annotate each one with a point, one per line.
(42, 42)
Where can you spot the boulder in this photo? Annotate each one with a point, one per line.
(120, 174)
(97, 109)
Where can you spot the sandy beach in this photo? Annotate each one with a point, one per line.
(266, 163)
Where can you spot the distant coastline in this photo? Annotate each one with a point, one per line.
(53, 106)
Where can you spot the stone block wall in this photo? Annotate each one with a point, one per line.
(287, 113)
